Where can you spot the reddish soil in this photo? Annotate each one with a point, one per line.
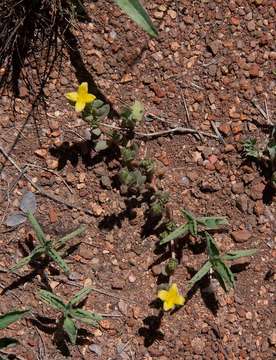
(212, 61)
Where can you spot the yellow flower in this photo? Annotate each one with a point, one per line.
(81, 97)
(171, 298)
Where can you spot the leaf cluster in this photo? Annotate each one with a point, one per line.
(159, 201)
(48, 248)
(217, 263)
(193, 226)
(71, 312)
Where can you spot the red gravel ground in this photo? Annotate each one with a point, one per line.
(212, 66)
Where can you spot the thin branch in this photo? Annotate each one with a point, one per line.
(180, 130)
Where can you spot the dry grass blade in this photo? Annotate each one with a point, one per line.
(31, 32)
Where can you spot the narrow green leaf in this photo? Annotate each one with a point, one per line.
(53, 300)
(136, 12)
(38, 250)
(225, 274)
(188, 215)
(193, 227)
(181, 231)
(58, 259)
(71, 329)
(59, 243)
(236, 254)
(6, 341)
(212, 248)
(213, 222)
(37, 228)
(11, 317)
(80, 295)
(200, 274)
(85, 316)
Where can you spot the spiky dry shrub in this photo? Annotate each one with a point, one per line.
(31, 40)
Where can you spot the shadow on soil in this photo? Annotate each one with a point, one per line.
(150, 332)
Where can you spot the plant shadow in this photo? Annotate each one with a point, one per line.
(82, 74)
(83, 150)
(150, 331)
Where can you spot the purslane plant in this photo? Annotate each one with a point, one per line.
(133, 174)
(71, 312)
(47, 248)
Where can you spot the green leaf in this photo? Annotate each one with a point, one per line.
(53, 300)
(212, 248)
(212, 222)
(136, 12)
(102, 112)
(97, 132)
(225, 274)
(37, 228)
(101, 145)
(71, 329)
(125, 176)
(58, 259)
(192, 227)
(85, 316)
(181, 231)
(200, 274)
(81, 295)
(250, 149)
(128, 153)
(38, 250)
(11, 317)
(59, 243)
(137, 111)
(97, 104)
(188, 215)
(6, 341)
(236, 254)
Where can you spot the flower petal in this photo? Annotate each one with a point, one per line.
(162, 295)
(90, 98)
(179, 300)
(168, 305)
(173, 290)
(80, 105)
(83, 89)
(72, 96)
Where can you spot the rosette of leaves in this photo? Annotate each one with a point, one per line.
(71, 313)
(217, 263)
(158, 204)
(147, 166)
(47, 249)
(131, 180)
(128, 155)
